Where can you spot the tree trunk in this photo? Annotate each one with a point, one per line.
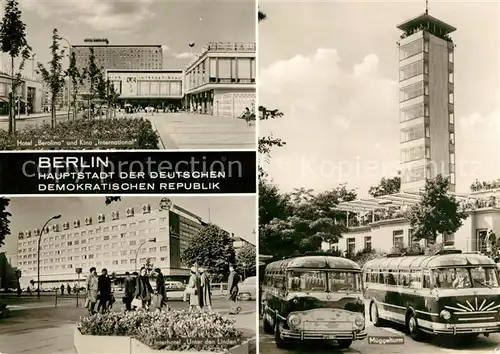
(53, 113)
(12, 115)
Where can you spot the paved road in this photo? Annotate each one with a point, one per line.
(50, 330)
(199, 131)
(482, 346)
(35, 119)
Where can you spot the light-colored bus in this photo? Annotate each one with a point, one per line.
(450, 293)
(313, 298)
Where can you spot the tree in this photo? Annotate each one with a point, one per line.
(262, 16)
(437, 212)
(246, 259)
(54, 76)
(272, 203)
(212, 248)
(111, 97)
(386, 186)
(8, 275)
(112, 199)
(267, 143)
(4, 220)
(310, 221)
(94, 77)
(13, 42)
(76, 79)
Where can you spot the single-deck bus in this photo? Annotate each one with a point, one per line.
(313, 298)
(450, 293)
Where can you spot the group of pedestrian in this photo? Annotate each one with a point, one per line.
(99, 291)
(68, 289)
(139, 293)
(198, 290)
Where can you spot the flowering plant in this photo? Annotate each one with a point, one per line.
(171, 330)
(137, 130)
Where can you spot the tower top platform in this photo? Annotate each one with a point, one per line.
(426, 20)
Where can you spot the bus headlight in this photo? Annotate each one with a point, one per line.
(294, 321)
(445, 314)
(359, 322)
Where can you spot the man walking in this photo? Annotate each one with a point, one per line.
(129, 291)
(206, 290)
(104, 286)
(92, 289)
(232, 284)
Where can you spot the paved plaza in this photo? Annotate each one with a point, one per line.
(50, 329)
(200, 131)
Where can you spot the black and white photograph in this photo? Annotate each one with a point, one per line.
(128, 275)
(110, 74)
(379, 190)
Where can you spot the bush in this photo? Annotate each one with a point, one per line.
(164, 330)
(138, 130)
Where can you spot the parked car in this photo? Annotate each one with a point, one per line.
(174, 286)
(248, 289)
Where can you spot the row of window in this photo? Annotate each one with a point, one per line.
(90, 248)
(414, 279)
(415, 153)
(418, 68)
(96, 264)
(421, 110)
(419, 46)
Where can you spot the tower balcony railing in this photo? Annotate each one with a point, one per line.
(426, 27)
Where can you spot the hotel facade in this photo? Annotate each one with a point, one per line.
(120, 241)
(221, 80)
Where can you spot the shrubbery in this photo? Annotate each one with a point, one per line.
(159, 330)
(138, 130)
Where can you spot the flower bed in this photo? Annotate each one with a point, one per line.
(150, 332)
(138, 131)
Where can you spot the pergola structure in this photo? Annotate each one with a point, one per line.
(400, 199)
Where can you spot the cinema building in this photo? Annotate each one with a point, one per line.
(221, 80)
(157, 88)
(119, 241)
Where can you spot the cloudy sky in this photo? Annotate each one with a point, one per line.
(332, 68)
(172, 23)
(234, 214)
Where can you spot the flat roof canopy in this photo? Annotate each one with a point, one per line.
(424, 19)
(387, 201)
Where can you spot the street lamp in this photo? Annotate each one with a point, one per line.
(69, 63)
(38, 253)
(138, 248)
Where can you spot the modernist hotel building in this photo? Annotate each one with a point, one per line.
(109, 241)
(427, 121)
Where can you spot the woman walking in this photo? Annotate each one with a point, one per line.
(193, 290)
(143, 289)
(206, 291)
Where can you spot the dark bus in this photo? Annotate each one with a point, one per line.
(313, 298)
(450, 293)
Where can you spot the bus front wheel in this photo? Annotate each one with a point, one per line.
(377, 322)
(412, 326)
(268, 329)
(344, 343)
(281, 342)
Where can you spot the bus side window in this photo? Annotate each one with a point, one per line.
(390, 279)
(416, 279)
(381, 278)
(426, 284)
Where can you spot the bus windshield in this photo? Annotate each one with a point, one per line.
(465, 277)
(321, 281)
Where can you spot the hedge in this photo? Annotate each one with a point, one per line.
(161, 329)
(138, 131)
